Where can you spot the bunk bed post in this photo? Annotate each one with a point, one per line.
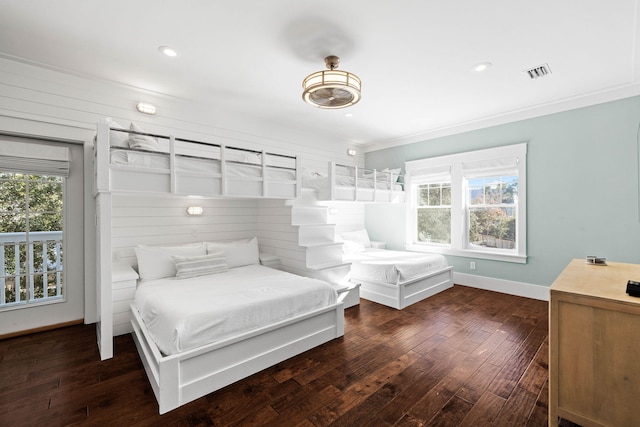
(101, 148)
(298, 178)
(104, 326)
(172, 164)
(332, 180)
(265, 191)
(355, 182)
(223, 171)
(375, 185)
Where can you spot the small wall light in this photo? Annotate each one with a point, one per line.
(145, 108)
(351, 152)
(195, 210)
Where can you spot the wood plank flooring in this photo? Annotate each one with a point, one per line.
(464, 357)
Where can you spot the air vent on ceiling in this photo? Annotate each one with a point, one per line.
(539, 71)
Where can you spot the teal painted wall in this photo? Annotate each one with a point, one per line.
(582, 188)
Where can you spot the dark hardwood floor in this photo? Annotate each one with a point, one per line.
(464, 357)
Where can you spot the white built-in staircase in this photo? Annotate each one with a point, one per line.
(323, 253)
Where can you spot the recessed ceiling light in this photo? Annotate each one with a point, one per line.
(168, 51)
(482, 66)
(348, 115)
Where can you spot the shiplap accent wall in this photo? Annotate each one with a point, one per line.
(153, 220)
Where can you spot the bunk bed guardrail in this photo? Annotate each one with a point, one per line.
(133, 160)
(352, 183)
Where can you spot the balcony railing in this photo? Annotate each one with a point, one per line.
(31, 267)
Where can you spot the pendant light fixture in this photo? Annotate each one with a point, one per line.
(332, 88)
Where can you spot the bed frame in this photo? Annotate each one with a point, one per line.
(403, 294)
(169, 179)
(364, 189)
(181, 378)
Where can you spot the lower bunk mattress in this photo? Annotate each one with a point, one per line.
(182, 314)
(387, 266)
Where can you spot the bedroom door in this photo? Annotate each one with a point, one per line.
(41, 234)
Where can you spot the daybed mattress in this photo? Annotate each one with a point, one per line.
(195, 164)
(183, 314)
(382, 265)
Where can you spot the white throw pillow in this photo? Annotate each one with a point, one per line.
(118, 139)
(200, 265)
(253, 158)
(351, 247)
(156, 262)
(384, 175)
(142, 142)
(359, 236)
(237, 253)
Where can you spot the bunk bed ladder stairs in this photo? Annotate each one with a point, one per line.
(323, 254)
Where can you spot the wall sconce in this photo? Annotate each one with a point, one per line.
(195, 210)
(145, 108)
(351, 152)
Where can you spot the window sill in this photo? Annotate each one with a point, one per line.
(469, 253)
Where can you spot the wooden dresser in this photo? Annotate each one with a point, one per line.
(594, 346)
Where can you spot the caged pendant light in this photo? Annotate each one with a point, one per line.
(332, 88)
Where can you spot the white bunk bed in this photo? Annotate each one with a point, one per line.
(354, 184)
(396, 279)
(174, 166)
(131, 160)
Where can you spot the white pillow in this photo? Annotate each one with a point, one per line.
(142, 142)
(253, 158)
(384, 175)
(200, 265)
(118, 139)
(311, 174)
(156, 262)
(351, 247)
(359, 236)
(238, 253)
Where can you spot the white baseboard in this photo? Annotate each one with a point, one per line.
(500, 285)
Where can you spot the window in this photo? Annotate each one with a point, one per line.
(32, 181)
(31, 238)
(469, 204)
(434, 212)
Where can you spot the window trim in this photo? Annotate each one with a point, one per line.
(416, 173)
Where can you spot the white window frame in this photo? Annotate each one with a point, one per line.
(420, 172)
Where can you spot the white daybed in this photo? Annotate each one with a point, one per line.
(354, 184)
(394, 278)
(198, 334)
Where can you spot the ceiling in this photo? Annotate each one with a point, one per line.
(415, 57)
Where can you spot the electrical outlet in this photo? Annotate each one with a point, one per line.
(194, 231)
(472, 265)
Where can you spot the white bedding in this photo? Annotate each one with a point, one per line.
(382, 265)
(194, 164)
(183, 314)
